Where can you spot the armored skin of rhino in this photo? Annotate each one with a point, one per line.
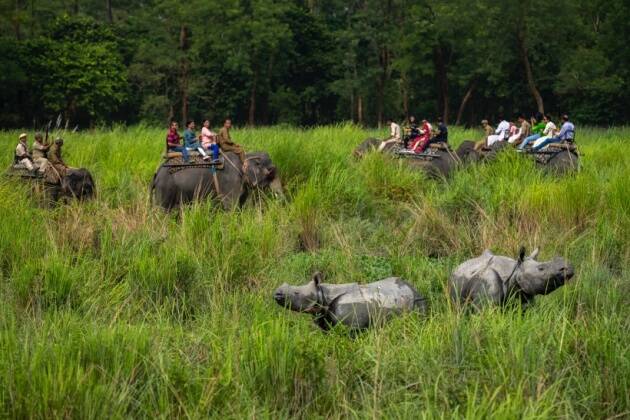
(353, 305)
(493, 279)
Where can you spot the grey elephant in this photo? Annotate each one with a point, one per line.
(170, 189)
(494, 279)
(356, 306)
(439, 165)
(77, 183)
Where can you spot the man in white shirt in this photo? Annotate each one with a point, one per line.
(501, 132)
(394, 135)
(550, 131)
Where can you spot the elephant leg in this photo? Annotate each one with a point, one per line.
(231, 199)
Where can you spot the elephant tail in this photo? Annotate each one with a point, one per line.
(152, 189)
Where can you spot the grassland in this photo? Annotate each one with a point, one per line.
(114, 309)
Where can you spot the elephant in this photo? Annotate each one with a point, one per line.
(77, 183)
(356, 306)
(492, 279)
(73, 184)
(439, 164)
(558, 161)
(171, 189)
(467, 153)
(555, 159)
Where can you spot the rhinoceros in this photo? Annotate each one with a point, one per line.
(493, 279)
(357, 306)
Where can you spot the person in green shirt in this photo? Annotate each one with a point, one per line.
(538, 126)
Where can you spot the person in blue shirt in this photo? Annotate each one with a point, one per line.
(191, 142)
(567, 133)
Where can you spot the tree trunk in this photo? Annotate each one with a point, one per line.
(405, 95)
(360, 110)
(352, 106)
(465, 99)
(183, 45)
(110, 15)
(379, 102)
(442, 82)
(531, 83)
(76, 7)
(251, 120)
(16, 21)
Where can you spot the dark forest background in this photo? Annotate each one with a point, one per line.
(310, 62)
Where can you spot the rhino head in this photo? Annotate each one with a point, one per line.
(541, 278)
(299, 298)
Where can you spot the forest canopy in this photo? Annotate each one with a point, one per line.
(307, 62)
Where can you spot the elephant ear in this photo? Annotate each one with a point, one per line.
(534, 254)
(317, 278)
(521, 254)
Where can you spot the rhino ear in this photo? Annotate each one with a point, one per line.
(318, 278)
(521, 254)
(534, 254)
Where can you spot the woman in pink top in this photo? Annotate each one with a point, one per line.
(209, 139)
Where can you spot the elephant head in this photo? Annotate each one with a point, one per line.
(78, 183)
(261, 173)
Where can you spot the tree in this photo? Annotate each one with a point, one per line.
(77, 70)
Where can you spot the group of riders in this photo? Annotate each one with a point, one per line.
(532, 135)
(416, 138)
(42, 158)
(208, 144)
(527, 135)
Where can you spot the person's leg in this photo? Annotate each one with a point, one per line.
(545, 142)
(241, 153)
(182, 150)
(215, 151)
(385, 143)
(493, 139)
(203, 152)
(421, 145)
(27, 163)
(531, 138)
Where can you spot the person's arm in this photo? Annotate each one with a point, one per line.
(563, 131)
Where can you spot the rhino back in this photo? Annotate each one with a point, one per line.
(362, 306)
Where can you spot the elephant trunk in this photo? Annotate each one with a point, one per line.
(276, 187)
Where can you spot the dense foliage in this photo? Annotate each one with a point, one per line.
(114, 309)
(312, 61)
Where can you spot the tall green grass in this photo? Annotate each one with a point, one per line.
(116, 309)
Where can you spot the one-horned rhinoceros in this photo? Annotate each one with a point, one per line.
(493, 279)
(357, 306)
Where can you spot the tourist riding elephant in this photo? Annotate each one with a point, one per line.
(493, 279)
(187, 184)
(439, 163)
(355, 306)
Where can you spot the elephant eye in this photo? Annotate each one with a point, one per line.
(541, 268)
